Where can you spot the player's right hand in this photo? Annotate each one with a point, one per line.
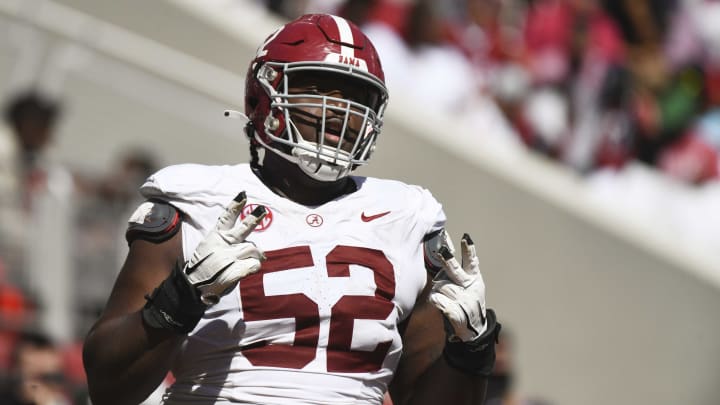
(225, 256)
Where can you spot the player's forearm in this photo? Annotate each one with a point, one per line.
(125, 361)
(458, 375)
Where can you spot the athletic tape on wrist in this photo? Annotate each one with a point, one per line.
(175, 305)
(478, 356)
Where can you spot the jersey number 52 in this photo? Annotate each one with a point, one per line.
(340, 357)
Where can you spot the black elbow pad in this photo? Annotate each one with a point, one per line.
(431, 248)
(154, 221)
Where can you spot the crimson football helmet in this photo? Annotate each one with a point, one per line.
(319, 45)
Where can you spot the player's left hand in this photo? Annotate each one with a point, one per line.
(458, 291)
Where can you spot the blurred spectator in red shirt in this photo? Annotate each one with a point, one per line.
(561, 35)
(15, 315)
(571, 49)
(664, 62)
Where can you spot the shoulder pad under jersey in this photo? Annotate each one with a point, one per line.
(154, 221)
(431, 248)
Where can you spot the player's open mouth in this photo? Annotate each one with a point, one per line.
(333, 130)
(331, 139)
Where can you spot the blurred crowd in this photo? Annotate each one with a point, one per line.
(61, 242)
(594, 84)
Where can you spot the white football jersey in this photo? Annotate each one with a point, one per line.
(318, 323)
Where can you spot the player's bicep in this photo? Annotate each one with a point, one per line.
(146, 266)
(423, 341)
(155, 246)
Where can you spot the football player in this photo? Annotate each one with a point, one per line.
(288, 280)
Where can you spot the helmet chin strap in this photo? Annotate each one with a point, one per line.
(313, 160)
(318, 168)
(309, 163)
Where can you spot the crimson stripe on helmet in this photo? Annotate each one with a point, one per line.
(346, 36)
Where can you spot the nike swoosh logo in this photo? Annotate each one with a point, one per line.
(368, 218)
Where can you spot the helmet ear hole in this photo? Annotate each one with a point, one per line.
(249, 130)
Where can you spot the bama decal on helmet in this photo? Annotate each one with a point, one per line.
(347, 54)
(347, 60)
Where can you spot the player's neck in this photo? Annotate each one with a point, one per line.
(287, 180)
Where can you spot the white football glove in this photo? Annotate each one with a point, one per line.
(458, 291)
(225, 256)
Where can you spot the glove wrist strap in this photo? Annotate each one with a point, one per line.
(175, 305)
(476, 357)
